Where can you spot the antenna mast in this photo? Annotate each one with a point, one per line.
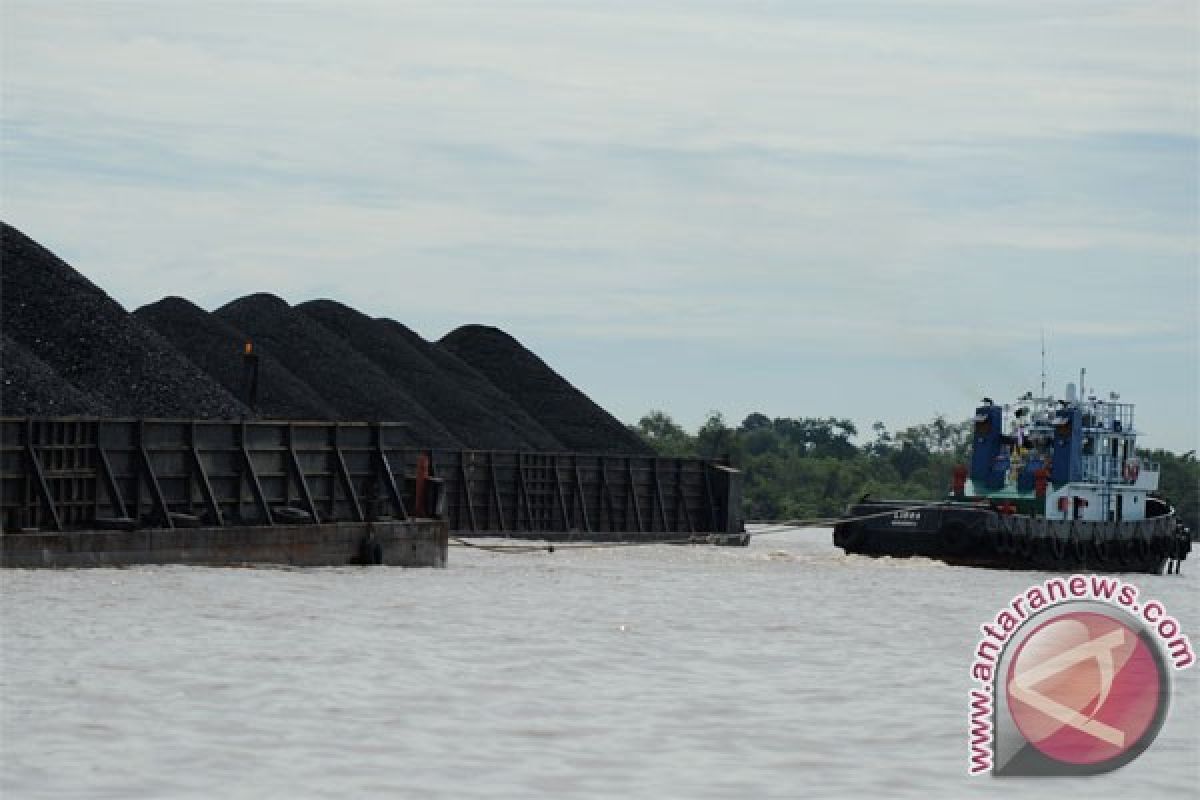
(1043, 362)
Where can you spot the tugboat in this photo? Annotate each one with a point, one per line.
(1063, 490)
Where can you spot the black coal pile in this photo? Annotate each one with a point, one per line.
(562, 409)
(67, 348)
(475, 384)
(29, 387)
(216, 347)
(347, 380)
(95, 345)
(477, 424)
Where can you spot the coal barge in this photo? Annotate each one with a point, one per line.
(259, 433)
(92, 492)
(1063, 490)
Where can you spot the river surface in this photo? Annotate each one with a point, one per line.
(778, 670)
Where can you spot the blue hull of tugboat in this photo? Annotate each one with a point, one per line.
(970, 534)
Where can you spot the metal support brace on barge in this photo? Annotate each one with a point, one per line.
(562, 497)
(89, 492)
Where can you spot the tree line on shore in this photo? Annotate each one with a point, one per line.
(813, 467)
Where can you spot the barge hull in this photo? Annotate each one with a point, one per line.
(67, 474)
(401, 543)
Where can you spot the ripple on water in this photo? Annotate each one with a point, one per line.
(779, 669)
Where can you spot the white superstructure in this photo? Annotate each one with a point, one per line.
(1107, 480)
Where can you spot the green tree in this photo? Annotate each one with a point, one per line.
(755, 422)
(1179, 482)
(806, 467)
(658, 430)
(715, 439)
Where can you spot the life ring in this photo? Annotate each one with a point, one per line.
(1132, 467)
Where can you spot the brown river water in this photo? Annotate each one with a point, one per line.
(783, 669)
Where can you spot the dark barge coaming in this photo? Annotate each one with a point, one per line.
(84, 491)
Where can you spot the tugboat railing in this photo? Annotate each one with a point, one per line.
(1101, 469)
(1111, 469)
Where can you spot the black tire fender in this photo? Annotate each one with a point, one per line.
(1004, 541)
(1058, 547)
(849, 537)
(955, 537)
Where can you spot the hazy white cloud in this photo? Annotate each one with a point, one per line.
(853, 181)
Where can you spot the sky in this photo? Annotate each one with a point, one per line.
(863, 209)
